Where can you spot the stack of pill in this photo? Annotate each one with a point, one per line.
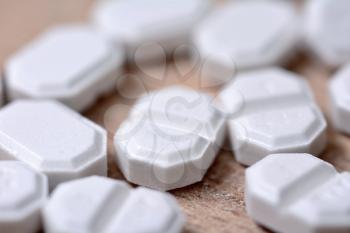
(58, 166)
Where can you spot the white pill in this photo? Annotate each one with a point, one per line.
(271, 111)
(290, 193)
(53, 139)
(295, 129)
(139, 24)
(339, 99)
(2, 94)
(183, 108)
(261, 90)
(72, 64)
(161, 157)
(248, 34)
(99, 204)
(327, 26)
(23, 193)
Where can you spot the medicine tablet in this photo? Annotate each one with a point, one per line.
(327, 28)
(99, 204)
(161, 157)
(290, 193)
(137, 23)
(72, 64)
(294, 129)
(53, 139)
(247, 33)
(182, 108)
(2, 94)
(271, 111)
(23, 193)
(339, 99)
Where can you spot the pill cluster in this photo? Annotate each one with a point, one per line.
(53, 161)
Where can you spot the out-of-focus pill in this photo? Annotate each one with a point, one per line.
(248, 33)
(72, 64)
(2, 94)
(23, 193)
(271, 111)
(298, 193)
(53, 139)
(148, 23)
(339, 88)
(99, 204)
(182, 108)
(161, 157)
(327, 28)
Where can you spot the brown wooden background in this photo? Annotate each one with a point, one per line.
(214, 205)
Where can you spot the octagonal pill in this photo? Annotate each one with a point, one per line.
(185, 109)
(161, 157)
(72, 64)
(295, 129)
(52, 139)
(261, 90)
(23, 193)
(327, 29)
(247, 33)
(339, 87)
(145, 26)
(298, 193)
(99, 204)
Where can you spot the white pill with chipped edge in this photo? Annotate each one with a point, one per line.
(339, 88)
(248, 34)
(53, 139)
(99, 204)
(72, 64)
(290, 193)
(23, 192)
(137, 24)
(327, 30)
(161, 157)
(182, 108)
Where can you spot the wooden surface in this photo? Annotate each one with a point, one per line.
(214, 205)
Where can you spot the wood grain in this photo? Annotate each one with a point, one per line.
(214, 205)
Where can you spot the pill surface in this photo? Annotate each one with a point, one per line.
(327, 27)
(99, 204)
(72, 64)
(273, 111)
(23, 193)
(298, 193)
(2, 94)
(183, 108)
(339, 87)
(53, 139)
(139, 24)
(161, 157)
(247, 33)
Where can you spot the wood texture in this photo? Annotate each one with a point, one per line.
(214, 205)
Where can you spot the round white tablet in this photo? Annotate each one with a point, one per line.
(53, 139)
(23, 193)
(294, 129)
(98, 204)
(72, 64)
(327, 27)
(161, 157)
(250, 33)
(290, 193)
(339, 88)
(182, 108)
(138, 23)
